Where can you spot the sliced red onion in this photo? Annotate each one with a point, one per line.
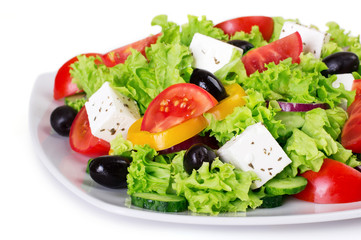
(358, 168)
(301, 107)
(207, 140)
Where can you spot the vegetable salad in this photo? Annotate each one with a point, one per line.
(169, 144)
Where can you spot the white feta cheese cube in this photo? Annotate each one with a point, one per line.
(312, 39)
(209, 53)
(346, 79)
(255, 150)
(110, 113)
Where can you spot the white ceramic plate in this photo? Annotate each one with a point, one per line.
(69, 168)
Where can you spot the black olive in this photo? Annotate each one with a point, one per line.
(246, 46)
(208, 82)
(61, 119)
(341, 62)
(196, 156)
(109, 171)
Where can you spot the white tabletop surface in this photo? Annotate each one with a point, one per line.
(38, 37)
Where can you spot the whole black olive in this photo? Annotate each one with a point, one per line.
(246, 46)
(61, 119)
(208, 82)
(341, 62)
(196, 156)
(109, 171)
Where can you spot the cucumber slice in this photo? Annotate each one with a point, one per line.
(272, 201)
(161, 203)
(286, 186)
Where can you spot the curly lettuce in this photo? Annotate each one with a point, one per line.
(312, 137)
(300, 83)
(235, 123)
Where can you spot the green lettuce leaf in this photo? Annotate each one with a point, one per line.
(344, 40)
(235, 123)
(300, 83)
(203, 26)
(75, 103)
(221, 188)
(313, 138)
(233, 71)
(255, 37)
(147, 173)
(90, 76)
(139, 78)
(170, 30)
(120, 146)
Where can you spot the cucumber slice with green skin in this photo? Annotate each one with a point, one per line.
(161, 203)
(286, 186)
(272, 201)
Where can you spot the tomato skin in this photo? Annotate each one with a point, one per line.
(356, 85)
(82, 140)
(245, 24)
(63, 85)
(121, 54)
(351, 132)
(289, 46)
(334, 183)
(175, 105)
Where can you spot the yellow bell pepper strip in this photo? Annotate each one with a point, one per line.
(167, 138)
(225, 107)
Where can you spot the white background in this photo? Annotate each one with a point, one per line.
(38, 37)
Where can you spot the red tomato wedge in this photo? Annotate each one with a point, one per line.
(356, 85)
(63, 85)
(287, 47)
(245, 24)
(121, 54)
(82, 140)
(351, 132)
(334, 183)
(176, 104)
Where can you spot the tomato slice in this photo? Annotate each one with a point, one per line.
(356, 85)
(82, 140)
(287, 47)
(351, 132)
(63, 85)
(245, 24)
(169, 137)
(121, 54)
(334, 183)
(175, 105)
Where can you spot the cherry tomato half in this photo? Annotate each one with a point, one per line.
(82, 140)
(287, 47)
(356, 85)
(351, 132)
(121, 54)
(175, 105)
(334, 183)
(245, 24)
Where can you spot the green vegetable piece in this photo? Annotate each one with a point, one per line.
(272, 201)
(161, 203)
(286, 186)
